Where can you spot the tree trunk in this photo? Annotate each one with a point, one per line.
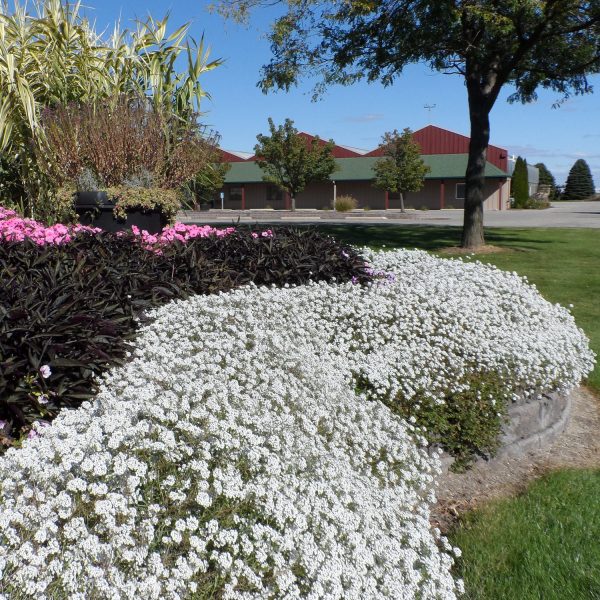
(402, 202)
(293, 202)
(479, 112)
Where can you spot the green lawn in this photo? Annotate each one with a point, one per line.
(563, 263)
(545, 543)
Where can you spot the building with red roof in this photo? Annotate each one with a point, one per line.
(444, 151)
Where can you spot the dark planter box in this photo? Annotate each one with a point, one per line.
(96, 210)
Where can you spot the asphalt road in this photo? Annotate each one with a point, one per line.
(560, 214)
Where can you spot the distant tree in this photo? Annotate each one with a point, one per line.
(520, 183)
(208, 181)
(526, 44)
(290, 161)
(547, 179)
(402, 170)
(580, 184)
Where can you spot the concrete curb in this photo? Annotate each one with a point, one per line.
(532, 425)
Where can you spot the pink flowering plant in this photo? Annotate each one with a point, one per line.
(14, 228)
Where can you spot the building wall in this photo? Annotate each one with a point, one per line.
(496, 193)
(320, 196)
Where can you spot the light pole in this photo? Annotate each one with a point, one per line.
(334, 193)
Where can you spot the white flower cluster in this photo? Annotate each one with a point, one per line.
(232, 457)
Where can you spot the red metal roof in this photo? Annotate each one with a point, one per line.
(435, 140)
(431, 139)
(338, 151)
(230, 157)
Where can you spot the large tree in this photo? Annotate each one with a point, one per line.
(489, 43)
(401, 169)
(291, 161)
(579, 184)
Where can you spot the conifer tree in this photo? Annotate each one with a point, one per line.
(580, 184)
(547, 179)
(520, 183)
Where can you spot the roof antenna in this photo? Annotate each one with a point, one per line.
(429, 108)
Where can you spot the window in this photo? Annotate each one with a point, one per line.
(274, 194)
(235, 194)
(460, 191)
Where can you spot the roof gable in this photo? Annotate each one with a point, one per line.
(337, 152)
(436, 140)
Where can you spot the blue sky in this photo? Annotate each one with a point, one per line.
(360, 114)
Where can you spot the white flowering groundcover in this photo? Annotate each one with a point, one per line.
(235, 457)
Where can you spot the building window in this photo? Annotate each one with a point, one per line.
(235, 194)
(274, 194)
(460, 191)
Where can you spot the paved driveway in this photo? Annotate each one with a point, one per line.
(560, 214)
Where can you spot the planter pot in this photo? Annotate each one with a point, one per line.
(96, 210)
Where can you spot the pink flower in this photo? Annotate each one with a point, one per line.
(45, 371)
(36, 428)
(14, 228)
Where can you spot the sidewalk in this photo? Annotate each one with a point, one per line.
(299, 216)
(560, 214)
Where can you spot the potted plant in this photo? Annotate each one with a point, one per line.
(137, 202)
(122, 162)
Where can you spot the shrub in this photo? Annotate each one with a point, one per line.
(61, 56)
(535, 203)
(74, 306)
(126, 146)
(345, 203)
(466, 422)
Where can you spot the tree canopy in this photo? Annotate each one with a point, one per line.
(401, 169)
(551, 44)
(580, 184)
(290, 160)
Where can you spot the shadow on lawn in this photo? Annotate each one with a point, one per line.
(426, 237)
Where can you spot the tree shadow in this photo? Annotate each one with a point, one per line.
(426, 237)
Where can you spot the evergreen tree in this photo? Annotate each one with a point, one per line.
(289, 161)
(402, 169)
(520, 183)
(580, 184)
(547, 179)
